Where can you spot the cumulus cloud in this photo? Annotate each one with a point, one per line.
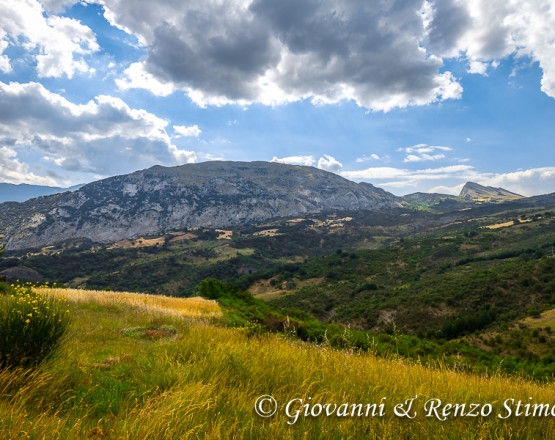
(420, 153)
(329, 163)
(484, 31)
(365, 158)
(59, 44)
(402, 181)
(326, 162)
(295, 160)
(422, 157)
(525, 182)
(182, 156)
(380, 55)
(183, 130)
(5, 65)
(246, 51)
(14, 171)
(136, 77)
(104, 136)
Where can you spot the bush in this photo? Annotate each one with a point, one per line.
(31, 326)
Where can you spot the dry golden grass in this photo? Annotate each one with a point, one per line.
(506, 224)
(196, 307)
(224, 235)
(216, 374)
(546, 319)
(203, 383)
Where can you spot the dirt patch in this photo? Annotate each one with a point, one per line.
(224, 235)
(138, 243)
(181, 237)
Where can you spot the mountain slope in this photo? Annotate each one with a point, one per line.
(427, 199)
(209, 194)
(475, 191)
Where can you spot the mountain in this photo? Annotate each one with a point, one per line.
(22, 192)
(475, 191)
(209, 194)
(427, 199)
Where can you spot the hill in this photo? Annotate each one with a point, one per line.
(475, 191)
(425, 283)
(160, 199)
(156, 368)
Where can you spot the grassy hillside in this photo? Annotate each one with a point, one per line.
(136, 367)
(442, 285)
(175, 263)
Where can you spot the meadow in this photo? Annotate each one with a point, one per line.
(140, 366)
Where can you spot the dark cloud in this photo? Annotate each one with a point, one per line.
(450, 22)
(278, 51)
(224, 61)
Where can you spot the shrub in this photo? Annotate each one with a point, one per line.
(31, 326)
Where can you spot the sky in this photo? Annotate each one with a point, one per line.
(407, 95)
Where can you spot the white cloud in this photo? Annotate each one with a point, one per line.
(424, 148)
(295, 160)
(419, 153)
(526, 182)
(136, 77)
(56, 5)
(246, 51)
(329, 163)
(422, 157)
(365, 158)
(192, 131)
(5, 65)
(14, 171)
(61, 42)
(182, 156)
(485, 31)
(326, 162)
(475, 66)
(376, 173)
(104, 136)
(454, 190)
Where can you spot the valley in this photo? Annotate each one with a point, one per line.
(456, 276)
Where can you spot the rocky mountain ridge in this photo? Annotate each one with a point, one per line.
(158, 199)
(475, 191)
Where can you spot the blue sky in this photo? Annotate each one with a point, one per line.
(407, 95)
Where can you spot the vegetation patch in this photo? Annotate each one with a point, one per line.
(32, 325)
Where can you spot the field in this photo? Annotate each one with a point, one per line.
(137, 367)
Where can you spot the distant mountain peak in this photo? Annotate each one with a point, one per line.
(475, 191)
(208, 194)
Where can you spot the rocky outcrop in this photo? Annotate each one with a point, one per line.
(159, 199)
(475, 191)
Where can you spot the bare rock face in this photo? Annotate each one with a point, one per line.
(159, 199)
(475, 191)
